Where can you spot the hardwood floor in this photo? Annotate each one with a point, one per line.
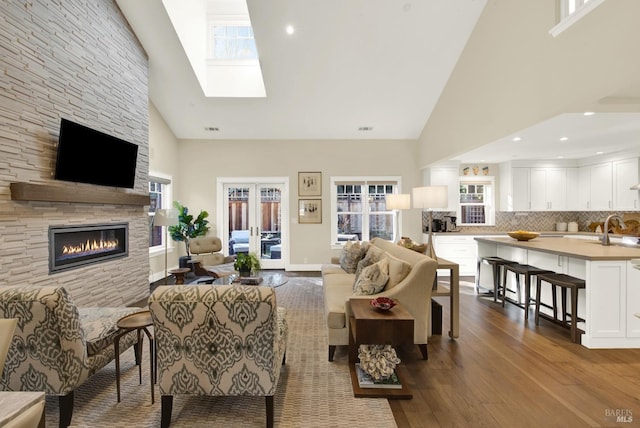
(503, 373)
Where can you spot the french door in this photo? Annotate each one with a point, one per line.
(253, 218)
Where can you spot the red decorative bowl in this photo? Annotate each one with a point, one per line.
(382, 303)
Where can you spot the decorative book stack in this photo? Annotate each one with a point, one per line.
(366, 381)
(250, 280)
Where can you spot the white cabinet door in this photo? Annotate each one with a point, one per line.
(548, 189)
(538, 189)
(584, 188)
(600, 183)
(447, 176)
(625, 175)
(633, 301)
(572, 189)
(520, 189)
(557, 189)
(461, 249)
(606, 288)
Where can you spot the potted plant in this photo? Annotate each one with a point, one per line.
(188, 227)
(246, 263)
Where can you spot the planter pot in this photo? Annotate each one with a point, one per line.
(183, 262)
(245, 273)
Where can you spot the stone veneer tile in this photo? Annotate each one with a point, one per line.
(78, 60)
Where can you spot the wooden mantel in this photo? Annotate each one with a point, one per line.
(50, 193)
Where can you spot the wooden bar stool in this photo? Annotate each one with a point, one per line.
(496, 263)
(528, 271)
(565, 282)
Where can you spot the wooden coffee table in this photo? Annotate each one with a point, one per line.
(373, 327)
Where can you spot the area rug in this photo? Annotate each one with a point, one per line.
(312, 391)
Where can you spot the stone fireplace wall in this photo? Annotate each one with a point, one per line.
(80, 60)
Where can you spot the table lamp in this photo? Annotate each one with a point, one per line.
(398, 201)
(165, 218)
(428, 198)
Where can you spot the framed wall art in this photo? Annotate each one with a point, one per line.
(310, 211)
(309, 184)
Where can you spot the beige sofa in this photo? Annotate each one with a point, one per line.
(413, 291)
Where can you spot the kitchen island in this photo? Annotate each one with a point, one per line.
(612, 293)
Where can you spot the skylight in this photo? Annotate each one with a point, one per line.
(233, 42)
(218, 40)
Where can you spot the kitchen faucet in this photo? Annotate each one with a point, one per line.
(605, 236)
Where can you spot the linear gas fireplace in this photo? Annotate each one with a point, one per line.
(74, 246)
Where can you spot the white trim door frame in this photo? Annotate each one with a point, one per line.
(259, 241)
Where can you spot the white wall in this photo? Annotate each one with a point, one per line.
(163, 155)
(201, 162)
(514, 74)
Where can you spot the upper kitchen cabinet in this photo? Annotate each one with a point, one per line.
(605, 186)
(595, 187)
(445, 176)
(625, 175)
(537, 188)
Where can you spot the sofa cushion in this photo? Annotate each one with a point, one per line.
(338, 288)
(372, 279)
(374, 254)
(99, 325)
(398, 270)
(352, 253)
(329, 269)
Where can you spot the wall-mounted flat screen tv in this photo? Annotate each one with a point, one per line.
(89, 156)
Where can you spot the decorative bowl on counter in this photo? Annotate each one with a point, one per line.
(382, 303)
(523, 235)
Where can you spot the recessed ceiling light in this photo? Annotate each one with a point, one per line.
(564, 138)
(560, 157)
(516, 139)
(588, 113)
(290, 29)
(599, 153)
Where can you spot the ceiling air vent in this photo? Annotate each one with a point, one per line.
(365, 128)
(211, 128)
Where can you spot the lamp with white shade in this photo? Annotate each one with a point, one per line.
(428, 198)
(398, 201)
(165, 218)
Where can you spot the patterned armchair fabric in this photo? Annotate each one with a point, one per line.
(218, 340)
(56, 347)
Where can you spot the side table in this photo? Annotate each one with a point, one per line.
(139, 322)
(180, 274)
(370, 326)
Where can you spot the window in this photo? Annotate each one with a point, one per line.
(233, 42)
(571, 11)
(160, 194)
(477, 201)
(359, 209)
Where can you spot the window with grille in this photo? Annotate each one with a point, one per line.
(359, 209)
(160, 195)
(477, 201)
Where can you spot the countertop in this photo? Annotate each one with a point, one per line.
(571, 247)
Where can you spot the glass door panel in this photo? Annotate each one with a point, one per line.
(254, 221)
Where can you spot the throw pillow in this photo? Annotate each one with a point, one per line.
(351, 254)
(374, 255)
(398, 270)
(372, 279)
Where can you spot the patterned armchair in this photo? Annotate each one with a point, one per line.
(218, 340)
(56, 346)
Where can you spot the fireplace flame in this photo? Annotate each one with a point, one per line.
(90, 247)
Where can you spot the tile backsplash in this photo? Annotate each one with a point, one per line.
(534, 221)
